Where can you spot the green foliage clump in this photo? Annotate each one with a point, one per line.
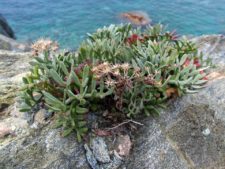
(129, 70)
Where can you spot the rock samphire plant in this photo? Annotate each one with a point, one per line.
(125, 70)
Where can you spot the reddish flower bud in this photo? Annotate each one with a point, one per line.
(201, 72)
(205, 78)
(187, 62)
(135, 36)
(133, 39)
(197, 63)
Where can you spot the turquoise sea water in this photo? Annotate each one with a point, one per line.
(68, 21)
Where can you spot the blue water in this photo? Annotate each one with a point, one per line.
(68, 21)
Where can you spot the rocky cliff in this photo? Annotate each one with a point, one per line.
(190, 133)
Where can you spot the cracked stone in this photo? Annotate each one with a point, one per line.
(99, 149)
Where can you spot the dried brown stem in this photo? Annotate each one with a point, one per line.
(123, 123)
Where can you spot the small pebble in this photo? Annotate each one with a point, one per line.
(34, 126)
(13, 128)
(206, 132)
(99, 149)
(124, 144)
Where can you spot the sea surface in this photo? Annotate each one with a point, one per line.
(68, 21)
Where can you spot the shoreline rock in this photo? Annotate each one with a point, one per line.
(7, 38)
(5, 29)
(138, 18)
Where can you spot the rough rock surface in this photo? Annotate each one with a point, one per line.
(5, 29)
(13, 66)
(45, 149)
(7, 43)
(191, 132)
(99, 149)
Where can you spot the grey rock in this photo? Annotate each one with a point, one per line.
(45, 149)
(7, 43)
(13, 66)
(5, 29)
(99, 149)
(42, 116)
(16, 122)
(191, 132)
(91, 158)
(98, 157)
(199, 150)
(115, 163)
(95, 157)
(152, 150)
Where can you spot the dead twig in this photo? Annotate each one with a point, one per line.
(123, 123)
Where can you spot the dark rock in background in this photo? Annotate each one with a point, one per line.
(7, 38)
(5, 29)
